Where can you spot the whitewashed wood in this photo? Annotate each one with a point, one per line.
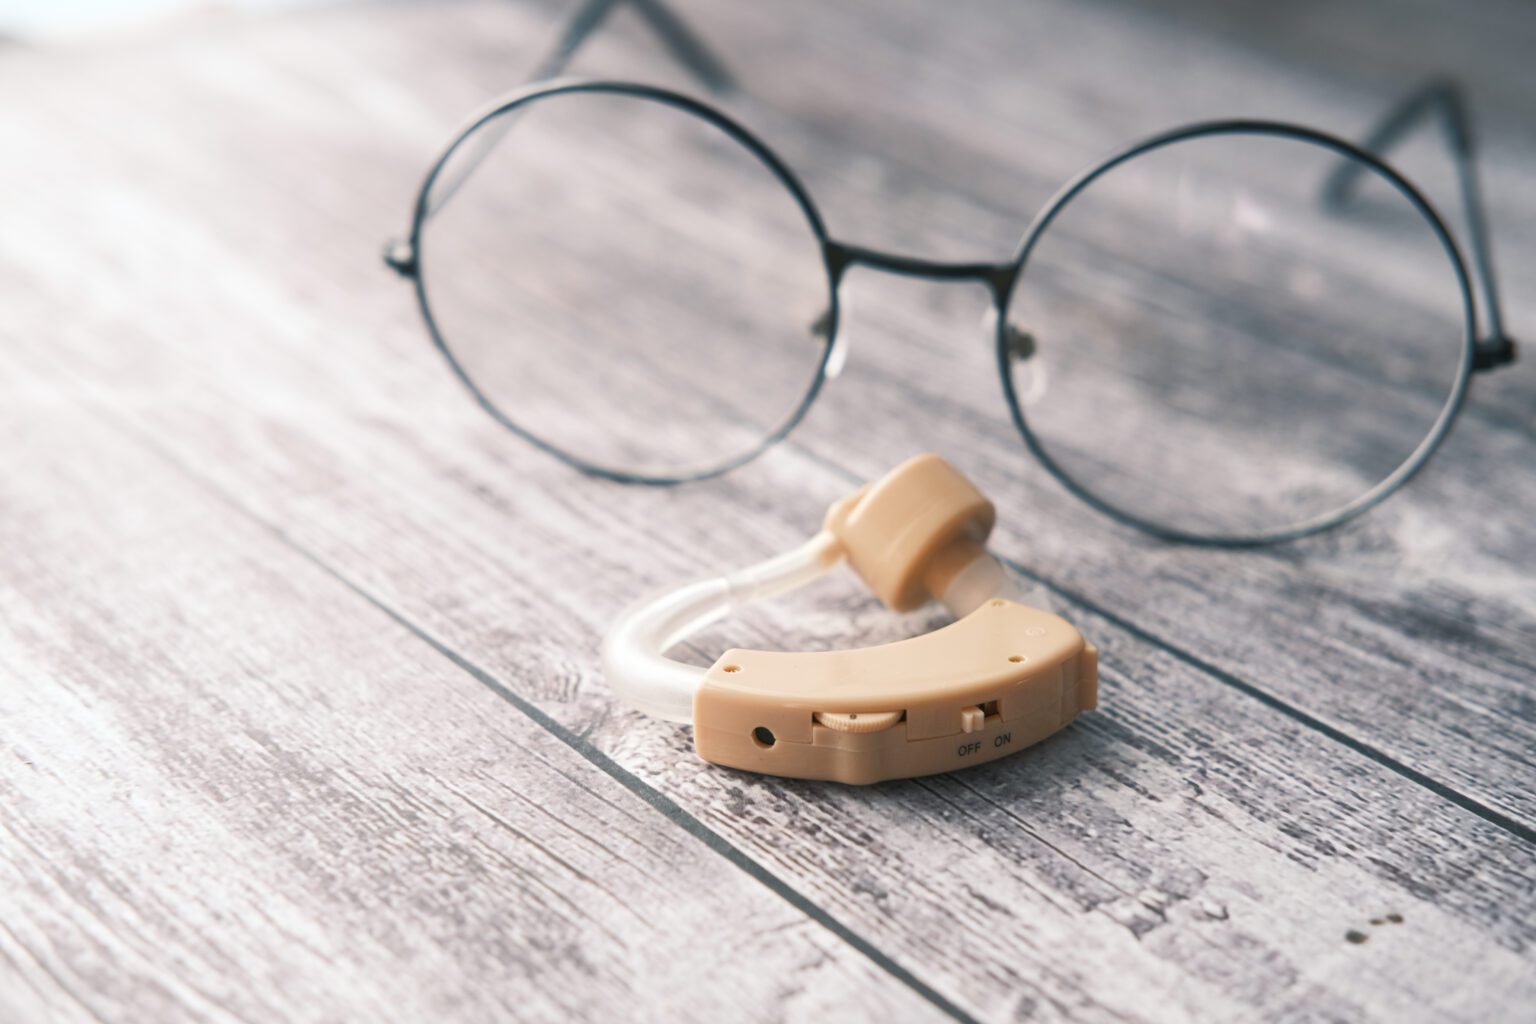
(1447, 696)
(1107, 842)
(235, 789)
(1441, 554)
(321, 411)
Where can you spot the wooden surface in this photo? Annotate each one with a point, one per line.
(299, 702)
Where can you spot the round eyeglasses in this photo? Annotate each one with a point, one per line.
(1198, 336)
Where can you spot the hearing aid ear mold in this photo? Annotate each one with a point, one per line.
(910, 533)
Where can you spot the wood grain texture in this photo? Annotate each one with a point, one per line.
(1450, 694)
(235, 789)
(1188, 853)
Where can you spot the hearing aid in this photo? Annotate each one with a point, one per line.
(1001, 677)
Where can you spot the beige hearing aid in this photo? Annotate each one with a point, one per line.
(1003, 676)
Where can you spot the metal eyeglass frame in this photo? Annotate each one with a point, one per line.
(1440, 100)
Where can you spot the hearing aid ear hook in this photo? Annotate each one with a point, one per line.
(1002, 677)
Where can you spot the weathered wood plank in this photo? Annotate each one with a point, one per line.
(1441, 554)
(236, 790)
(1114, 831)
(1318, 625)
(1089, 889)
(1120, 816)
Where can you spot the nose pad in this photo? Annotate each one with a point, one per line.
(1029, 374)
(838, 357)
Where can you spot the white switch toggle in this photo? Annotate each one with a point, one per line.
(972, 719)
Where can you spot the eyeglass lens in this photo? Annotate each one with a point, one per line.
(1217, 352)
(710, 345)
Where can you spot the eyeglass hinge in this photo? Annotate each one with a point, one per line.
(400, 256)
(1494, 352)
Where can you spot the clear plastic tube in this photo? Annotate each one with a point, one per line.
(634, 649)
(986, 578)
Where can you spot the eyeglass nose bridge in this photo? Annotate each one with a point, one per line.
(998, 277)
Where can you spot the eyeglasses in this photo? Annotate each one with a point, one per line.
(1232, 333)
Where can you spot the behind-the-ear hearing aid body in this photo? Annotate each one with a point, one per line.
(1003, 676)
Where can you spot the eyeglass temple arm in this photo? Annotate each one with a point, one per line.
(1444, 100)
(681, 42)
(589, 17)
(685, 45)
